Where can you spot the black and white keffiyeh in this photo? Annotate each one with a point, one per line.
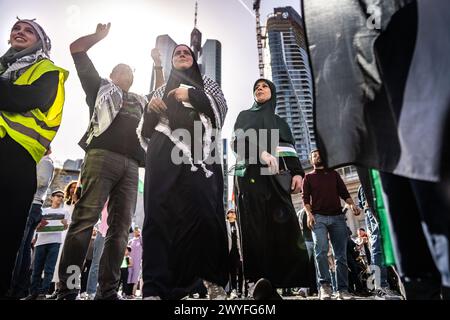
(14, 63)
(219, 107)
(107, 105)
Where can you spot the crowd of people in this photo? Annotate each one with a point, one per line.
(261, 248)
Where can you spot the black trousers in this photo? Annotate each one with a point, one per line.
(17, 188)
(104, 174)
(236, 274)
(420, 223)
(127, 288)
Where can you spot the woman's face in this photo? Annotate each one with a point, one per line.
(22, 36)
(72, 188)
(262, 92)
(182, 58)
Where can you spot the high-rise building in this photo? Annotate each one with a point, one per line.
(289, 68)
(165, 45)
(211, 60)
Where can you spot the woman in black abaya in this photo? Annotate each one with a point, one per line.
(184, 233)
(272, 244)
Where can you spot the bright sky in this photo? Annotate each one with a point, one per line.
(135, 26)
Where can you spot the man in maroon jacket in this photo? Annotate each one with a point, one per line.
(322, 190)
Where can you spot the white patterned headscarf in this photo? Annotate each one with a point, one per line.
(13, 63)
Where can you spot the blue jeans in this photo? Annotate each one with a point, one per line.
(311, 256)
(45, 257)
(336, 227)
(375, 247)
(99, 244)
(20, 282)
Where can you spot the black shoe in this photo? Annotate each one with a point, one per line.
(422, 289)
(69, 295)
(54, 295)
(287, 293)
(32, 296)
(362, 293)
(114, 297)
(264, 291)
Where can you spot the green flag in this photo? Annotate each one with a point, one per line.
(141, 186)
(380, 208)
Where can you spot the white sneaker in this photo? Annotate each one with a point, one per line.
(325, 292)
(345, 295)
(152, 298)
(233, 295)
(387, 294)
(251, 289)
(215, 292)
(90, 296)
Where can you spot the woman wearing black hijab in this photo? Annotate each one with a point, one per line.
(184, 233)
(272, 245)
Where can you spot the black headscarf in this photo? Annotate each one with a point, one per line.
(178, 115)
(262, 116)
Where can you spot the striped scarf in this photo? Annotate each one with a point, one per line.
(107, 105)
(14, 63)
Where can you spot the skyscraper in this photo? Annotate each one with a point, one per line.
(165, 45)
(290, 72)
(211, 60)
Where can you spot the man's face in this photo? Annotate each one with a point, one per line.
(315, 159)
(57, 199)
(122, 76)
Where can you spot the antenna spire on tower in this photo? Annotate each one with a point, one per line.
(196, 9)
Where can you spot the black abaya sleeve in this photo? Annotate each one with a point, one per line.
(201, 103)
(294, 166)
(151, 119)
(22, 98)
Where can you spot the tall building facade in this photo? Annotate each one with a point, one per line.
(165, 44)
(211, 60)
(288, 66)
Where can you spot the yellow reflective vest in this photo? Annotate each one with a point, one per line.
(34, 130)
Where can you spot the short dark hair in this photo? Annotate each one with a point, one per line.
(362, 229)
